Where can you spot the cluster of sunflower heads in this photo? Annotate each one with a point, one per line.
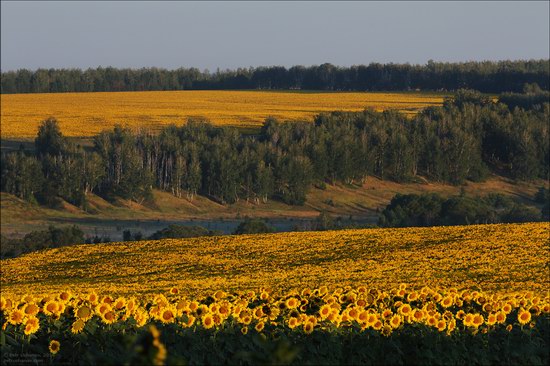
(307, 310)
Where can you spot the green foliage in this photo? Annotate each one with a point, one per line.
(432, 210)
(486, 76)
(53, 237)
(543, 197)
(127, 344)
(182, 231)
(462, 97)
(50, 140)
(253, 226)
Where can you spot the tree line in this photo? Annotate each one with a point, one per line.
(465, 139)
(486, 76)
(430, 209)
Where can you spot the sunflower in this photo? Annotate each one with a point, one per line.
(103, 308)
(447, 301)
(247, 319)
(535, 310)
(54, 347)
(387, 314)
(418, 315)
(27, 298)
(509, 327)
(50, 307)
(208, 321)
(524, 316)
(193, 306)
(224, 310)
(131, 305)
(167, 315)
(190, 321)
(377, 325)
(32, 325)
(109, 317)
(141, 318)
(363, 317)
(412, 296)
(441, 325)
(325, 311)
(477, 320)
(16, 317)
(507, 308)
(93, 298)
(468, 320)
(218, 295)
(174, 291)
(371, 319)
(244, 330)
(500, 317)
(65, 296)
(386, 330)
(292, 323)
(395, 321)
(405, 310)
(308, 327)
(78, 326)
(31, 309)
(258, 312)
(213, 308)
(119, 303)
(84, 313)
(260, 326)
(292, 303)
(3, 303)
(491, 319)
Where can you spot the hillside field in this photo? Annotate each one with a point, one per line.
(497, 258)
(86, 114)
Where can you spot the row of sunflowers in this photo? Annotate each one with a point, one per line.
(44, 326)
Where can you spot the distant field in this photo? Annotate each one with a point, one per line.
(499, 258)
(86, 114)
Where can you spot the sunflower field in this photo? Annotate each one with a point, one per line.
(444, 295)
(87, 114)
(343, 325)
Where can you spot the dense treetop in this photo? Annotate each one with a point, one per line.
(485, 76)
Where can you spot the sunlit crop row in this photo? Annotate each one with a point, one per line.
(497, 258)
(86, 114)
(308, 310)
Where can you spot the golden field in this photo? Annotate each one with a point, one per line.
(86, 114)
(497, 258)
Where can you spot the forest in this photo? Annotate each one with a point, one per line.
(485, 76)
(467, 138)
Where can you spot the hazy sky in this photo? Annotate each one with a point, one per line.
(242, 34)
